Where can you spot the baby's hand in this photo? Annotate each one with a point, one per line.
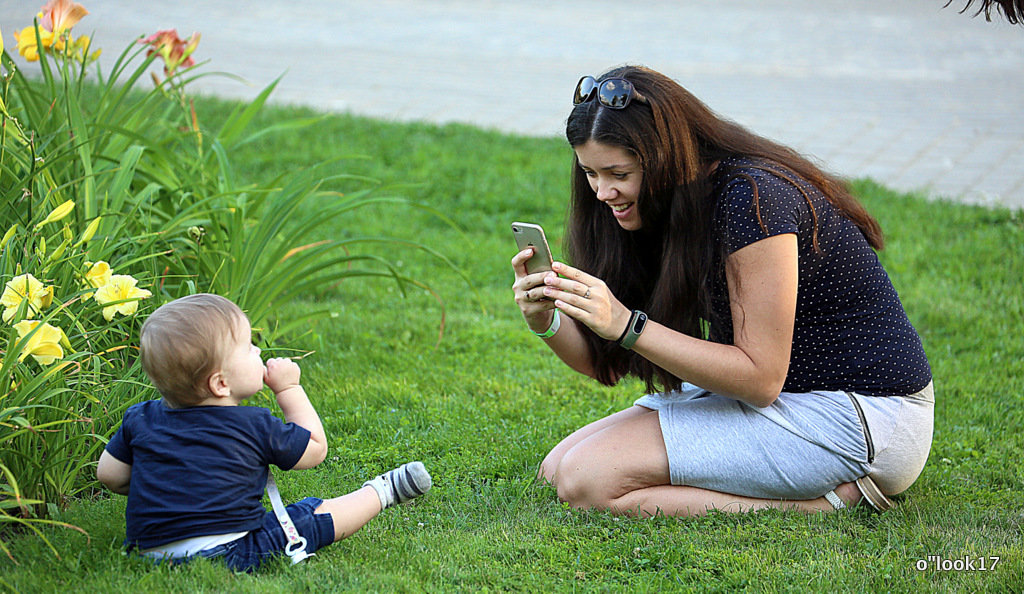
(281, 374)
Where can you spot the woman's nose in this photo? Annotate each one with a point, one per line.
(605, 191)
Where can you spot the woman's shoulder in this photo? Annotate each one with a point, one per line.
(739, 181)
(742, 168)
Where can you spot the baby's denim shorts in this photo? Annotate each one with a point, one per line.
(252, 550)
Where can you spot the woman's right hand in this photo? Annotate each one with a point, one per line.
(529, 293)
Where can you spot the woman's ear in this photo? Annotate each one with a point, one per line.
(218, 384)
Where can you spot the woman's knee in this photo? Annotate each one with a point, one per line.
(548, 470)
(548, 467)
(579, 484)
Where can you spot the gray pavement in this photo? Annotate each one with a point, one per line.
(914, 95)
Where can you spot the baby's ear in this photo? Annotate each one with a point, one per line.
(218, 384)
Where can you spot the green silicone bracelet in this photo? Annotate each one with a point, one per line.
(555, 323)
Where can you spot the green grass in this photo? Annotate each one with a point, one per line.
(484, 406)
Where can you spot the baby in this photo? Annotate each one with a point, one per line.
(194, 463)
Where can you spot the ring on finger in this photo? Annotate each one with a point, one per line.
(587, 294)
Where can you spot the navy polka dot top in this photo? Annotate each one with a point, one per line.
(851, 332)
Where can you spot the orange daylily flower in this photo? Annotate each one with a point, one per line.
(60, 15)
(54, 26)
(174, 50)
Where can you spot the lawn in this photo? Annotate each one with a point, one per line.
(484, 404)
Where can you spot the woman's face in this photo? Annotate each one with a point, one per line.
(615, 176)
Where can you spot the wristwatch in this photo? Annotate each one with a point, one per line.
(634, 328)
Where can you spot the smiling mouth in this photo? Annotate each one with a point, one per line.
(621, 207)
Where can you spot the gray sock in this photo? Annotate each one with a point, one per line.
(406, 482)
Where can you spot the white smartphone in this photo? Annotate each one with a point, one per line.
(530, 235)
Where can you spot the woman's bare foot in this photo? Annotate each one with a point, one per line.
(849, 493)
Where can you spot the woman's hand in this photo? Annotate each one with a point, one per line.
(586, 299)
(529, 293)
(539, 310)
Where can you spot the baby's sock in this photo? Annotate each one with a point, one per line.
(406, 482)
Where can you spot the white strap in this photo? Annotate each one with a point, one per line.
(296, 548)
(834, 499)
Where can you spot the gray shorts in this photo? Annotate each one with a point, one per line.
(800, 447)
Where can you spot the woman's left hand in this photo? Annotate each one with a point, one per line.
(587, 299)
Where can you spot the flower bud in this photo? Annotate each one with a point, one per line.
(7, 236)
(57, 214)
(89, 231)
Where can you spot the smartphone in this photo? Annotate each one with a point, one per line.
(530, 235)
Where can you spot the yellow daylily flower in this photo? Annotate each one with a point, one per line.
(98, 275)
(45, 345)
(79, 47)
(27, 46)
(121, 287)
(57, 214)
(25, 288)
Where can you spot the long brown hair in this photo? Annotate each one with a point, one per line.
(666, 267)
(1013, 10)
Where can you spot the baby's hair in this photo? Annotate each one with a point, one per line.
(183, 342)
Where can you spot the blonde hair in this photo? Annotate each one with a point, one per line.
(184, 341)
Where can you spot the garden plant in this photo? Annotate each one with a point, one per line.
(186, 200)
(113, 200)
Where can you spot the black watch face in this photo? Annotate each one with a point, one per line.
(638, 325)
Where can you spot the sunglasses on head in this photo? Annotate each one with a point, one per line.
(613, 93)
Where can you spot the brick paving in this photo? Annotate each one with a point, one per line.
(916, 96)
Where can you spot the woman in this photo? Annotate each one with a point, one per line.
(741, 279)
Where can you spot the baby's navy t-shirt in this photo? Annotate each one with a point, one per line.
(851, 332)
(200, 470)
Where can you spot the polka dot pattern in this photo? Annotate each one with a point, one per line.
(851, 332)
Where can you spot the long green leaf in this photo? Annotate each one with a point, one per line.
(81, 134)
(117, 193)
(243, 115)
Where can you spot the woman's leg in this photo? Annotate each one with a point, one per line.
(622, 466)
(550, 464)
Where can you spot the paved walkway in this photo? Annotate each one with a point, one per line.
(914, 95)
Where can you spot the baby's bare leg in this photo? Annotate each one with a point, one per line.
(351, 512)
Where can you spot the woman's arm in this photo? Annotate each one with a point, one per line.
(762, 279)
(568, 342)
